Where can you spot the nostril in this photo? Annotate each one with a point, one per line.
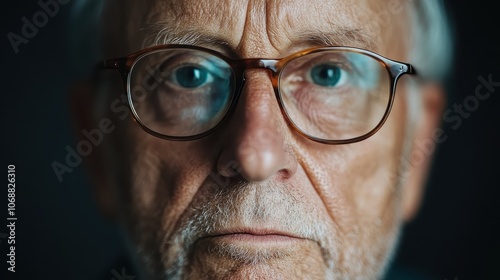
(228, 167)
(233, 168)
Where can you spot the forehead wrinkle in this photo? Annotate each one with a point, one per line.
(191, 22)
(340, 24)
(253, 41)
(279, 25)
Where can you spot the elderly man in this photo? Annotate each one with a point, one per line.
(271, 139)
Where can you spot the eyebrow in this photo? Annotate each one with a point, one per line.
(344, 37)
(164, 34)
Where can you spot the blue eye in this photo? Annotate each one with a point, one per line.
(326, 75)
(191, 76)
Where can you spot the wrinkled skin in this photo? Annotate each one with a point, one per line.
(305, 210)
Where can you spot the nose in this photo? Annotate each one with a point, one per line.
(255, 139)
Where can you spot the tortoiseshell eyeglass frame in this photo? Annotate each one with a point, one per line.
(124, 65)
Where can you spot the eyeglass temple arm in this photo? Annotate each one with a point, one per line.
(120, 64)
(114, 63)
(400, 68)
(411, 70)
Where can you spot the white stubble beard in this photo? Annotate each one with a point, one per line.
(249, 204)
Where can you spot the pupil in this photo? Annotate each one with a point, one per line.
(325, 75)
(191, 76)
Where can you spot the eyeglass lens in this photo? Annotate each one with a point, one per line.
(331, 94)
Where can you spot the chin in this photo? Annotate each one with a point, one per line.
(258, 271)
(256, 257)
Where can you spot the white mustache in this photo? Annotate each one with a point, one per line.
(267, 207)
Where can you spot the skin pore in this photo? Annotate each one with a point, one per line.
(199, 209)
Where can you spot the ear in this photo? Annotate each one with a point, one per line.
(426, 136)
(83, 104)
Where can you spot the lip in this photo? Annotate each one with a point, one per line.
(254, 235)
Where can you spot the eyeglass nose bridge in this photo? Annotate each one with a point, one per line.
(271, 65)
(241, 65)
(260, 63)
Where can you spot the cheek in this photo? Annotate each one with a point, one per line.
(165, 176)
(376, 162)
(377, 193)
(358, 181)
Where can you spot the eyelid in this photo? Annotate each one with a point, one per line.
(211, 65)
(337, 59)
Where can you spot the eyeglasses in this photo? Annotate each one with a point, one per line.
(332, 95)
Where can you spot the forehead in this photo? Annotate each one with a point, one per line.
(274, 27)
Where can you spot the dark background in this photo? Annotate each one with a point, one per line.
(60, 235)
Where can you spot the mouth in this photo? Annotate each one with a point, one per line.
(254, 237)
(252, 245)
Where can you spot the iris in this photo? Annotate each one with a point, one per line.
(191, 76)
(325, 75)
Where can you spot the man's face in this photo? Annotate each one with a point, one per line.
(256, 200)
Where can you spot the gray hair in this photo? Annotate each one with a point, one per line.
(432, 48)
